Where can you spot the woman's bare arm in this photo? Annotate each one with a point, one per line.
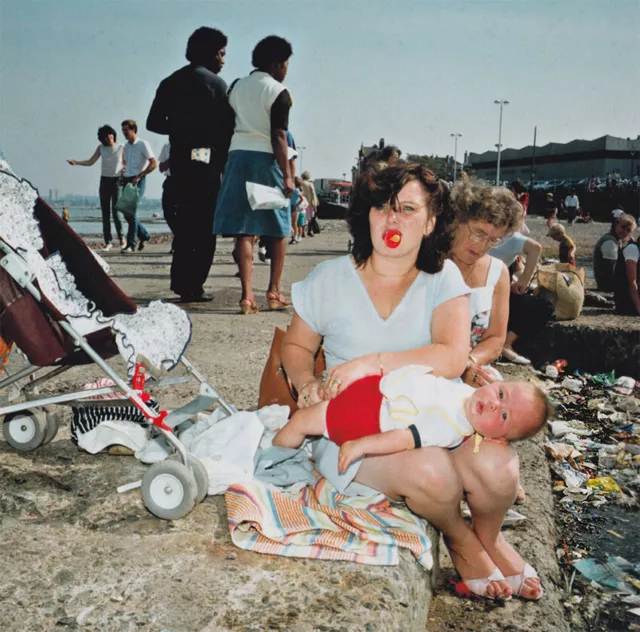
(299, 348)
(86, 163)
(632, 282)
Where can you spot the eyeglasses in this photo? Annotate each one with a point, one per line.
(479, 237)
(406, 209)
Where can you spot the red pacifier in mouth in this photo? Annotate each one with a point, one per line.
(392, 238)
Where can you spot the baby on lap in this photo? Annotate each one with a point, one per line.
(410, 408)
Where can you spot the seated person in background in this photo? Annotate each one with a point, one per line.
(567, 252)
(605, 253)
(551, 208)
(528, 314)
(625, 280)
(410, 408)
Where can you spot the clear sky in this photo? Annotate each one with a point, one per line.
(410, 71)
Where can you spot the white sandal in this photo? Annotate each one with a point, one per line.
(516, 582)
(479, 586)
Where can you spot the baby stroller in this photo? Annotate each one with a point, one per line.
(60, 309)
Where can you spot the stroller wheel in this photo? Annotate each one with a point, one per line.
(169, 490)
(199, 473)
(25, 430)
(202, 478)
(52, 427)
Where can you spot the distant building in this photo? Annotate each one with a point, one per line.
(575, 160)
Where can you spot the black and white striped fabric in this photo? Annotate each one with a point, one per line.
(86, 418)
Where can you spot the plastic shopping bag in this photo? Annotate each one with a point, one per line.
(127, 203)
(262, 197)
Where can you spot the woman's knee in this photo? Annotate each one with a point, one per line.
(482, 468)
(433, 471)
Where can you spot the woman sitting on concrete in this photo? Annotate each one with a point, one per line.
(605, 253)
(625, 278)
(397, 301)
(484, 217)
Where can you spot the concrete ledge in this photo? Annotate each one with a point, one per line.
(599, 340)
(102, 557)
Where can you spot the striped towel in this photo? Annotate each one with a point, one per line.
(320, 523)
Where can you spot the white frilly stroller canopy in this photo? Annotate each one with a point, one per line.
(159, 332)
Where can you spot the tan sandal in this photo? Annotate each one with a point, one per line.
(277, 301)
(247, 306)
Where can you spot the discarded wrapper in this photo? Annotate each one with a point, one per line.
(604, 484)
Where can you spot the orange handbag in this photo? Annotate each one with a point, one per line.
(275, 386)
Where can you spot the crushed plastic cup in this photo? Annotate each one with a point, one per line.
(572, 384)
(392, 238)
(551, 371)
(604, 484)
(624, 385)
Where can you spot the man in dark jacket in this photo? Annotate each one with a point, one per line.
(191, 107)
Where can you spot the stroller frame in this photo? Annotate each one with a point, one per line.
(185, 477)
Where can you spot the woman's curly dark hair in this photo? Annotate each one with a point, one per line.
(375, 187)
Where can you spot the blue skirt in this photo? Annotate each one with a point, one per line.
(233, 214)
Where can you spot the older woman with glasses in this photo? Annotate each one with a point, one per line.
(484, 216)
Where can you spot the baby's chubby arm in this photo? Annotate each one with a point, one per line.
(383, 443)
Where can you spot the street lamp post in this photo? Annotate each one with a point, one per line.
(300, 149)
(455, 154)
(502, 103)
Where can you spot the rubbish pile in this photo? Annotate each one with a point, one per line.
(593, 448)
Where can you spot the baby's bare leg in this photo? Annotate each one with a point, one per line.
(306, 421)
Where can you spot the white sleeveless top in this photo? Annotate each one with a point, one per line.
(111, 163)
(481, 302)
(251, 99)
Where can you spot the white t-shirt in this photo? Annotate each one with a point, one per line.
(631, 252)
(434, 405)
(165, 152)
(251, 99)
(334, 302)
(609, 249)
(111, 163)
(571, 201)
(137, 155)
(509, 249)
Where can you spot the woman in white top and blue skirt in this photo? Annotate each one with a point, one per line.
(111, 154)
(258, 153)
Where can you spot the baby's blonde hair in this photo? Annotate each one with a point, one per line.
(545, 410)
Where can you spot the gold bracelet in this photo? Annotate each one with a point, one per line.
(380, 363)
(473, 359)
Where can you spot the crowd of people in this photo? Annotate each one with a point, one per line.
(219, 138)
